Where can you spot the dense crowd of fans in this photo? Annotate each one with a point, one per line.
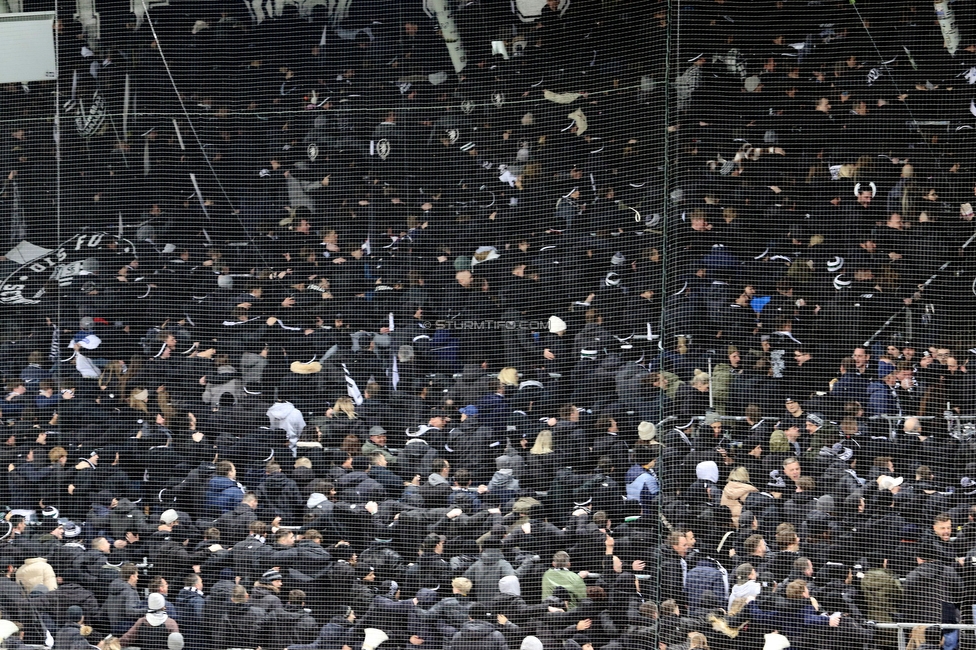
(608, 340)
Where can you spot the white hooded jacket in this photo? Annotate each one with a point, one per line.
(284, 415)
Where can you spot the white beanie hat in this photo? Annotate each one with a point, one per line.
(556, 325)
(531, 643)
(775, 641)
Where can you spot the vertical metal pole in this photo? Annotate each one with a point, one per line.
(711, 397)
(57, 127)
(125, 110)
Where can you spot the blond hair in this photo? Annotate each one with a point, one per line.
(113, 370)
(740, 474)
(720, 624)
(138, 404)
(796, 588)
(508, 376)
(737, 605)
(346, 405)
(56, 454)
(543, 443)
(463, 585)
(916, 638)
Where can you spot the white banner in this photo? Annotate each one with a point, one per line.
(41, 268)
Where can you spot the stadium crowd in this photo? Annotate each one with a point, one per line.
(472, 373)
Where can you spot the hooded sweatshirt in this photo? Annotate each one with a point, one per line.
(486, 572)
(151, 632)
(503, 479)
(284, 415)
(480, 634)
(225, 381)
(510, 585)
(705, 488)
(707, 470)
(746, 589)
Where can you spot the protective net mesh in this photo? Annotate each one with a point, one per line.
(458, 324)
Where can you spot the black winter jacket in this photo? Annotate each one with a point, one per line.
(478, 635)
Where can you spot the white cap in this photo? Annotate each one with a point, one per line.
(775, 641)
(646, 430)
(888, 482)
(556, 325)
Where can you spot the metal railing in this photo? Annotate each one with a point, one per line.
(901, 627)
(960, 427)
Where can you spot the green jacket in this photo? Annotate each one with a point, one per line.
(825, 436)
(882, 595)
(370, 448)
(564, 578)
(722, 377)
(674, 383)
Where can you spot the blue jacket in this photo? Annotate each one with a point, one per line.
(851, 387)
(189, 608)
(799, 619)
(705, 576)
(493, 410)
(644, 488)
(223, 495)
(881, 399)
(33, 374)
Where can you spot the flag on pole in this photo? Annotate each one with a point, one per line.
(351, 387)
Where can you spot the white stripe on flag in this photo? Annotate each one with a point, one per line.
(351, 387)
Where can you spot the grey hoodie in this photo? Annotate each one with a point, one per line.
(503, 479)
(746, 589)
(707, 470)
(225, 381)
(486, 572)
(284, 415)
(510, 585)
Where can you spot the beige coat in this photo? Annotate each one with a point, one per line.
(734, 495)
(36, 571)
